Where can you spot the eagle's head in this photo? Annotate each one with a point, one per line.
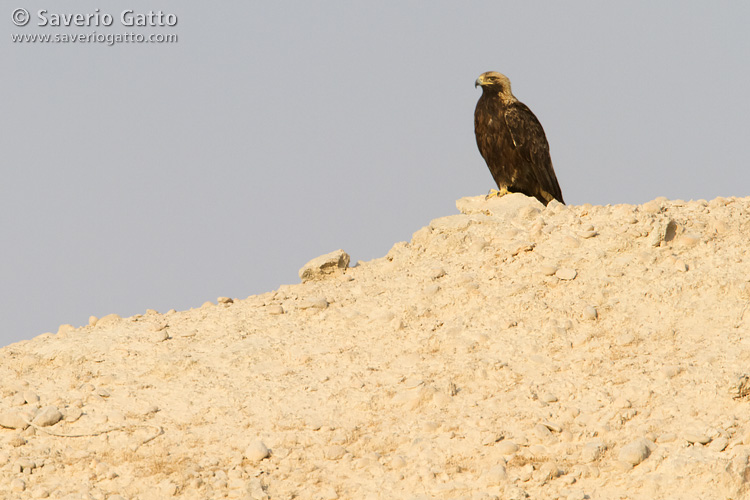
(495, 83)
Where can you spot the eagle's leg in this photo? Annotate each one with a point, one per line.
(497, 193)
(547, 197)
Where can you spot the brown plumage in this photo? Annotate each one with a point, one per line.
(512, 142)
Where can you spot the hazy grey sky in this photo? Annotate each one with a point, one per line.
(147, 175)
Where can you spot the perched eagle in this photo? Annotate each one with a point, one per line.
(512, 142)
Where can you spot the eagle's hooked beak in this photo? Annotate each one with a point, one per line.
(477, 83)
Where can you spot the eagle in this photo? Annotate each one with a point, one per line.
(512, 142)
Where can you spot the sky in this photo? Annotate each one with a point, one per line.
(163, 175)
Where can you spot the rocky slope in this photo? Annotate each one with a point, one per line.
(510, 351)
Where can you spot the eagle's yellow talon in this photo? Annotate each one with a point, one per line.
(495, 193)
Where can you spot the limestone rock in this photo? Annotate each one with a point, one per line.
(325, 265)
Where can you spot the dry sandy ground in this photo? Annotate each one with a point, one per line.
(511, 351)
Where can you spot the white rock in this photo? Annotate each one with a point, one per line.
(667, 437)
(718, 444)
(592, 451)
(506, 447)
(17, 485)
(548, 397)
(40, 493)
(635, 452)
(275, 309)
(565, 273)
(497, 475)
(30, 397)
(49, 415)
(17, 399)
(159, 336)
(335, 452)
(589, 312)
(257, 451)
(11, 419)
(548, 270)
(325, 265)
(694, 437)
(552, 426)
(313, 303)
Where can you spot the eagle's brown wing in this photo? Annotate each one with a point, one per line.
(530, 142)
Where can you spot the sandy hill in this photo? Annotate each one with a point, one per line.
(511, 351)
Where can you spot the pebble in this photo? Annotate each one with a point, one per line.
(65, 329)
(159, 336)
(636, 451)
(696, 437)
(25, 465)
(496, 475)
(320, 267)
(313, 303)
(275, 309)
(565, 273)
(257, 451)
(225, 300)
(30, 397)
(589, 312)
(548, 270)
(506, 447)
(335, 452)
(548, 397)
(548, 471)
(588, 234)
(551, 426)
(108, 320)
(16, 441)
(652, 207)
(17, 399)
(93, 320)
(667, 437)
(525, 473)
(11, 419)
(592, 451)
(542, 431)
(718, 444)
(40, 493)
(17, 485)
(49, 415)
